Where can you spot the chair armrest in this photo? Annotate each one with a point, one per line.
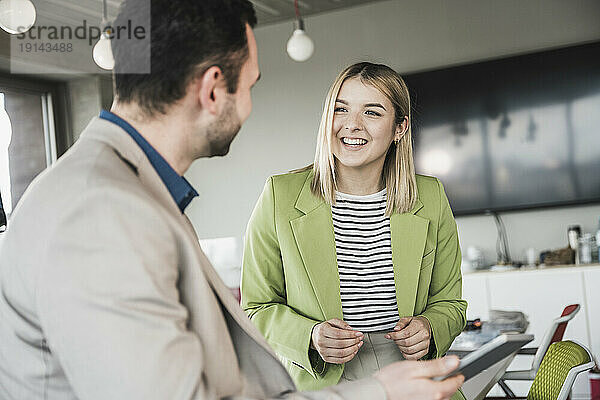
(528, 375)
(458, 353)
(530, 351)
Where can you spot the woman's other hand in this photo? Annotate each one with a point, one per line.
(336, 341)
(412, 336)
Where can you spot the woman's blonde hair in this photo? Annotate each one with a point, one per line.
(398, 169)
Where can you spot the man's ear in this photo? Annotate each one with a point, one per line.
(212, 85)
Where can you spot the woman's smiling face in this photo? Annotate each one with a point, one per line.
(363, 125)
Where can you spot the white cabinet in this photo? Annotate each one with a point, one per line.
(591, 281)
(541, 295)
(475, 291)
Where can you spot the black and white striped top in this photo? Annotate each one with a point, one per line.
(364, 256)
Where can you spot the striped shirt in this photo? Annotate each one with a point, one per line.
(364, 256)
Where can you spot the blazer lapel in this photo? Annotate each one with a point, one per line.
(314, 237)
(132, 154)
(409, 234)
(225, 383)
(223, 293)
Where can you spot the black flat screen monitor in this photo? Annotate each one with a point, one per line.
(514, 133)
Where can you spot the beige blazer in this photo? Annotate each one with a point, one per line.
(106, 294)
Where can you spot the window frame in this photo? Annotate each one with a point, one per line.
(59, 136)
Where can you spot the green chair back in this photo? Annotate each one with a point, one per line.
(558, 361)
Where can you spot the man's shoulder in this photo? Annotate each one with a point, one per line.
(91, 165)
(86, 172)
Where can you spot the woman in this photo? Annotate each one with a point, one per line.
(353, 263)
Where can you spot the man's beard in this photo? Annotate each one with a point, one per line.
(221, 133)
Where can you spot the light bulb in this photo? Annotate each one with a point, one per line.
(300, 47)
(103, 56)
(17, 16)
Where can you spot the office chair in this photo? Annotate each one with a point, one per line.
(554, 334)
(559, 368)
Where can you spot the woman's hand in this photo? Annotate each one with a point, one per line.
(336, 341)
(412, 336)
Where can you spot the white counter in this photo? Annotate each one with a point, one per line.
(541, 294)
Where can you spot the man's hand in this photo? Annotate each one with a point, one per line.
(412, 336)
(411, 379)
(336, 341)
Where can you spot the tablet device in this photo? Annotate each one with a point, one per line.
(489, 354)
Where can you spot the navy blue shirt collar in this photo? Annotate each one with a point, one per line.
(181, 190)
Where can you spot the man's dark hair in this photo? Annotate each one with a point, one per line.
(186, 38)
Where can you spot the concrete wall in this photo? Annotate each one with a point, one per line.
(87, 96)
(410, 36)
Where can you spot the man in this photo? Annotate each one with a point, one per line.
(104, 291)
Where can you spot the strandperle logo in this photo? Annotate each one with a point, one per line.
(91, 33)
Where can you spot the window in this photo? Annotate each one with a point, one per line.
(28, 139)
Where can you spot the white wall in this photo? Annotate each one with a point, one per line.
(409, 36)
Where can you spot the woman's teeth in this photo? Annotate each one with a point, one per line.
(354, 141)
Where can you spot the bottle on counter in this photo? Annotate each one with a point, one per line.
(587, 243)
(573, 234)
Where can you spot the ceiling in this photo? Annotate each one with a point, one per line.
(64, 13)
(72, 12)
(272, 11)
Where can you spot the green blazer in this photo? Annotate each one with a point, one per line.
(290, 278)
